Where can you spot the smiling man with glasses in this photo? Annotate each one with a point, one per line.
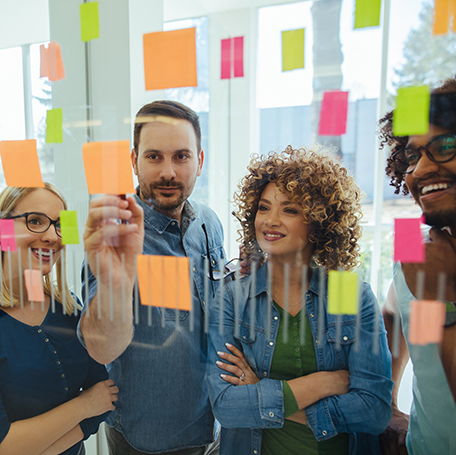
(425, 167)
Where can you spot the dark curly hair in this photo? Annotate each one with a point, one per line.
(328, 196)
(442, 113)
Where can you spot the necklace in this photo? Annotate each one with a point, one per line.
(283, 303)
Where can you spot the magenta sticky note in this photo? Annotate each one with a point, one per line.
(226, 59)
(7, 237)
(333, 114)
(408, 240)
(238, 56)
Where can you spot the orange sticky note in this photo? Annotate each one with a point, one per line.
(170, 59)
(34, 285)
(20, 163)
(427, 318)
(108, 167)
(51, 65)
(164, 281)
(444, 13)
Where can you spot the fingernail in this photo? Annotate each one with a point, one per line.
(228, 345)
(220, 353)
(219, 363)
(223, 376)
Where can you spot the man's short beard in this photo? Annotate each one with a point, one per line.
(166, 204)
(441, 219)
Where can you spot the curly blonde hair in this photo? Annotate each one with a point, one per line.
(328, 196)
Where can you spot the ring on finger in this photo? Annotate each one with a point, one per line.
(241, 378)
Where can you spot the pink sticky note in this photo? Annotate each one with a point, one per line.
(7, 237)
(408, 240)
(333, 114)
(225, 71)
(426, 321)
(34, 285)
(239, 56)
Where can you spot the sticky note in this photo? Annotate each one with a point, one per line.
(238, 60)
(164, 281)
(408, 240)
(343, 292)
(107, 167)
(90, 25)
(51, 64)
(411, 116)
(34, 285)
(54, 128)
(20, 163)
(7, 236)
(170, 59)
(225, 69)
(69, 227)
(367, 13)
(444, 13)
(293, 49)
(426, 321)
(333, 114)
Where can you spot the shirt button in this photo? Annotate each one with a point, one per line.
(311, 315)
(173, 223)
(66, 389)
(194, 269)
(46, 340)
(297, 349)
(213, 262)
(295, 323)
(55, 352)
(255, 452)
(58, 362)
(271, 414)
(276, 318)
(345, 338)
(244, 337)
(271, 343)
(39, 330)
(324, 432)
(62, 376)
(265, 374)
(316, 341)
(204, 303)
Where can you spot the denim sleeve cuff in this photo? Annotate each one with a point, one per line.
(319, 420)
(290, 406)
(270, 397)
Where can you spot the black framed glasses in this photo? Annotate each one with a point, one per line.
(38, 222)
(440, 149)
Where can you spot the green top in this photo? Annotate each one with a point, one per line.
(292, 360)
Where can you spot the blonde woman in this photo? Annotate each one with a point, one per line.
(284, 375)
(52, 394)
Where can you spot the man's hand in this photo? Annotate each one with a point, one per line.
(440, 258)
(392, 440)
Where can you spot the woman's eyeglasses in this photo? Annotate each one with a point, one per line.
(38, 222)
(440, 149)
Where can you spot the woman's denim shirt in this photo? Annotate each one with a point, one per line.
(359, 345)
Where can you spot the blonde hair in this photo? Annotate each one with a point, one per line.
(329, 199)
(9, 199)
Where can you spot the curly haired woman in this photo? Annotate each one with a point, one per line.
(284, 375)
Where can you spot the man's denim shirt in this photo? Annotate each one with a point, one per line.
(163, 403)
(244, 410)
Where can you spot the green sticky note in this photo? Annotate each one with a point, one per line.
(90, 24)
(69, 227)
(411, 116)
(54, 130)
(367, 13)
(293, 49)
(343, 292)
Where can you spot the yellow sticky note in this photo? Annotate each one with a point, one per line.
(411, 116)
(20, 163)
(293, 49)
(164, 281)
(90, 25)
(54, 126)
(34, 285)
(367, 13)
(107, 167)
(343, 292)
(69, 227)
(170, 59)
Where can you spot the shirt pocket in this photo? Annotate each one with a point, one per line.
(248, 345)
(170, 314)
(341, 340)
